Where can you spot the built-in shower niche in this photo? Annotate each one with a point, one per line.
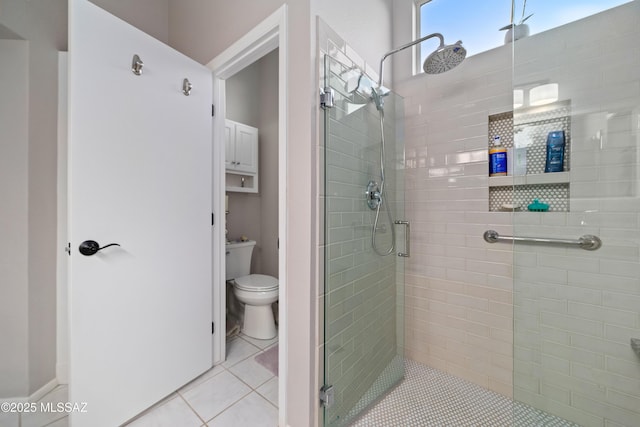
(529, 127)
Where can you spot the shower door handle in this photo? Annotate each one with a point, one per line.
(407, 235)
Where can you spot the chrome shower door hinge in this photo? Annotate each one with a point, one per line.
(327, 396)
(326, 97)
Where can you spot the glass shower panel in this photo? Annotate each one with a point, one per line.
(363, 295)
(577, 311)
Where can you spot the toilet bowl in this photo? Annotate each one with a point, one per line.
(256, 291)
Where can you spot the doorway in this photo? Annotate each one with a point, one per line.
(251, 226)
(265, 39)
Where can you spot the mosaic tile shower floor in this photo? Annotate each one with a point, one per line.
(429, 397)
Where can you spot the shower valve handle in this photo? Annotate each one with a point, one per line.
(374, 198)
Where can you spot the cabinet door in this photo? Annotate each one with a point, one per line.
(229, 146)
(246, 149)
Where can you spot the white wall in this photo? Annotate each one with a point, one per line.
(44, 25)
(14, 111)
(250, 100)
(459, 289)
(365, 25)
(242, 96)
(150, 16)
(268, 125)
(404, 30)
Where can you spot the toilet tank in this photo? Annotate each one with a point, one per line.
(238, 258)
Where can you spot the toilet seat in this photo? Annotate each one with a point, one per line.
(256, 283)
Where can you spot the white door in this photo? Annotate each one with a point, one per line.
(140, 176)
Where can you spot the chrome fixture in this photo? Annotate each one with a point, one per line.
(587, 242)
(380, 196)
(444, 58)
(326, 97)
(136, 65)
(374, 199)
(407, 234)
(327, 396)
(186, 87)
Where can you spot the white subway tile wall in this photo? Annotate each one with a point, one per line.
(459, 289)
(567, 346)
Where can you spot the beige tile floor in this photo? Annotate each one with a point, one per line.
(239, 392)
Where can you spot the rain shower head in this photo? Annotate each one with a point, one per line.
(444, 58)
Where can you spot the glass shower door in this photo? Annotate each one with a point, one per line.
(363, 294)
(577, 311)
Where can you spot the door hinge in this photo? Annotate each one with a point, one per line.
(213, 218)
(326, 97)
(327, 396)
(213, 328)
(213, 110)
(67, 248)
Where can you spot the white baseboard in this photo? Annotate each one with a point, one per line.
(14, 399)
(36, 396)
(43, 391)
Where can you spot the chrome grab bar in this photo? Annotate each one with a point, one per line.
(587, 242)
(407, 234)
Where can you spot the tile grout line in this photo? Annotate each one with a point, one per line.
(248, 385)
(228, 407)
(265, 398)
(179, 392)
(259, 385)
(190, 407)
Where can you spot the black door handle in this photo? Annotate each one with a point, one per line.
(91, 247)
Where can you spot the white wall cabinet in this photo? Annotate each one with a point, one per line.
(241, 147)
(241, 157)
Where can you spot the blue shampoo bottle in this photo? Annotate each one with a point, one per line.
(555, 152)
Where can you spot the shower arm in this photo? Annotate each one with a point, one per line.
(403, 47)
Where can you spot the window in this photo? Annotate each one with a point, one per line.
(478, 24)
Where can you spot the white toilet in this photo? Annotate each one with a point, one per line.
(256, 291)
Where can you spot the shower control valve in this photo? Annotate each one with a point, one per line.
(374, 199)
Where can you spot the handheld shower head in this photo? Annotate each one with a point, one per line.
(444, 58)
